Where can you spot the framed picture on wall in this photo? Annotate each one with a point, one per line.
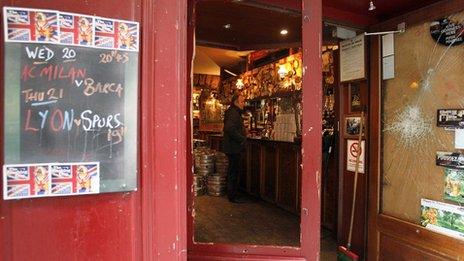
(355, 97)
(353, 124)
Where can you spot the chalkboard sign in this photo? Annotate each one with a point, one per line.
(73, 102)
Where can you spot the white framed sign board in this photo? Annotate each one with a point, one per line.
(353, 59)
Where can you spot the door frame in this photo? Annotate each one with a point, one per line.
(311, 158)
(163, 138)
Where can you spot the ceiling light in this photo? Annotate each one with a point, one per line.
(227, 26)
(371, 6)
(282, 71)
(229, 72)
(239, 84)
(284, 32)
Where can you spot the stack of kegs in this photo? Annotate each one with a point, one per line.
(217, 182)
(210, 172)
(204, 166)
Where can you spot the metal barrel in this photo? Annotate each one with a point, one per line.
(216, 185)
(222, 169)
(203, 173)
(206, 167)
(222, 163)
(204, 159)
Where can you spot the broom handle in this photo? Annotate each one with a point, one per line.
(355, 185)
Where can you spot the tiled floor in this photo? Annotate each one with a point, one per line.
(254, 222)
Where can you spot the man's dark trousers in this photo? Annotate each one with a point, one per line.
(232, 175)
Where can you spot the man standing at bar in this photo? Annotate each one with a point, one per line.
(234, 143)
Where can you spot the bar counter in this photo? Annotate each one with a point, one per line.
(270, 170)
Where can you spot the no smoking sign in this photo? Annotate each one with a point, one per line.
(353, 149)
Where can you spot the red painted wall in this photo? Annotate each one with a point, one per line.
(164, 132)
(150, 224)
(100, 227)
(311, 129)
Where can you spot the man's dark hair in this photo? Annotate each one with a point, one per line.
(234, 98)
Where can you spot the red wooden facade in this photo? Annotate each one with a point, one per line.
(155, 222)
(151, 224)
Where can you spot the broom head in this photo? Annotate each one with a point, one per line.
(346, 255)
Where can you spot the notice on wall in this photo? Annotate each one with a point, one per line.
(71, 84)
(447, 31)
(388, 67)
(388, 45)
(454, 185)
(450, 118)
(353, 149)
(352, 59)
(459, 139)
(443, 218)
(450, 159)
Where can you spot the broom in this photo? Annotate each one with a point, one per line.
(345, 253)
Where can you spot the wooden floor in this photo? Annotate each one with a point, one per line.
(254, 222)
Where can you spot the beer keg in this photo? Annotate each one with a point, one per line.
(222, 168)
(206, 167)
(222, 163)
(203, 173)
(204, 161)
(216, 185)
(221, 156)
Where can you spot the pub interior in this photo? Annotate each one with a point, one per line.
(261, 58)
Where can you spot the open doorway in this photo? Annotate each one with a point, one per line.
(262, 61)
(248, 48)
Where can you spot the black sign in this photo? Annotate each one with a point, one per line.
(450, 118)
(450, 159)
(76, 104)
(447, 32)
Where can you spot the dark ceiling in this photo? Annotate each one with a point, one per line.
(385, 9)
(254, 25)
(250, 27)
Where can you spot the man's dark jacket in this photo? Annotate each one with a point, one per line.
(234, 131)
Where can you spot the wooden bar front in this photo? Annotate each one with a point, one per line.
(270, 171)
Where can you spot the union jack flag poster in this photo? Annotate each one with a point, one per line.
(27, 25)
(128, 35)
(106, 33)
(116, 34)
(55, 27)
(76, 29)
(25, 181)
(87, 177)
(57, 179)
(75, 178)
(62, 179)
